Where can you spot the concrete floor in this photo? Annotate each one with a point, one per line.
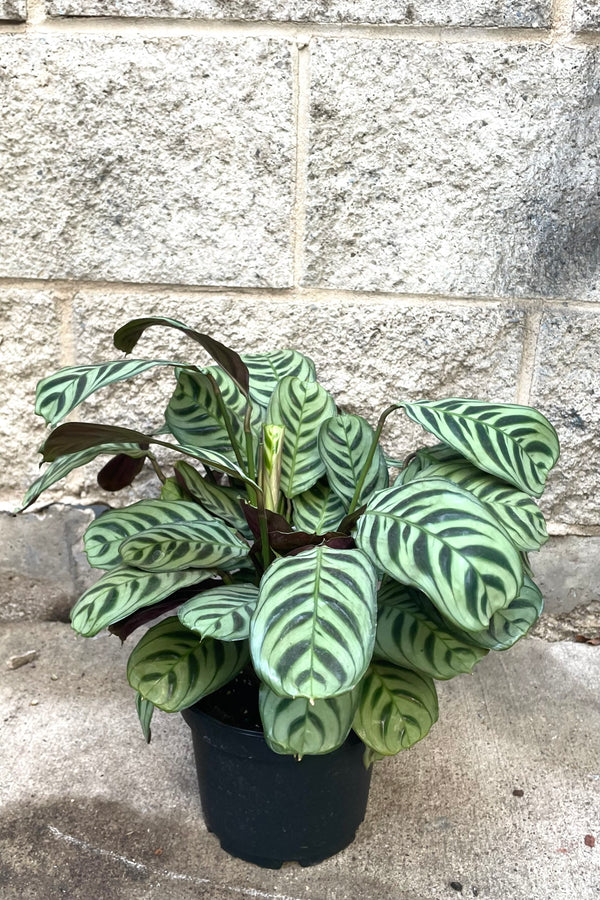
(89, 811)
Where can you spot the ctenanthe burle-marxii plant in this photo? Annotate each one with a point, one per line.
(289, 550)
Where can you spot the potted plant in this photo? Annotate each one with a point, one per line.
(301, 605)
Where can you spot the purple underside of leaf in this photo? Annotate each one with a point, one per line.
(147, 614)
(76, 436)
(120, 471)
(285, 541)
(127, 337)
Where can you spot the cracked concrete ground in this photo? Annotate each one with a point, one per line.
(89, 811)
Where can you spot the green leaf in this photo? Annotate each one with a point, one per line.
(222, 502)
(437, 537)
(223, 612)
(187, 545)
(60, 393)
(195, 417)
(407, 637)
(516, 443)
(313, 630)
(172, 490)
(104, 535)
(145, 710)
(173, 669)
(267, 369)
(63, 465)
(295, 726)
(509, 624)
(318, 510)
(127, 337)
(301, 407)
(75, 436)
(121, 592)
(344, 445)
(415, 463)
(514, 509)
(396, 708)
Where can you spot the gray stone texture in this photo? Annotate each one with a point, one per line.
(29, 349)
(469, 169)
(13, 10)
(146, 159)
(586, 15)
(525, 13)
(46, 548)
(567, 569)
(368, 354)
(90, 811)
(566, 388)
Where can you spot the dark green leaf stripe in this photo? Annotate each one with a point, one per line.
(313, 630)
(300, 728)
(145, 709)
(222, 502)
(515, 510)
(436, 536)
(407, 637)
(188, 545)
(195, 417)
(223, 612)
(173, 669)
(344, 444)
(63, 465)
(121, 592)
(396, 708)
(59, 394)
(267, 369)
(104, 536)
(516, 443)
(510, 624)
(318, 510)
(301, 407)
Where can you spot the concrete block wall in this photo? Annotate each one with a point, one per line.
(409, 192)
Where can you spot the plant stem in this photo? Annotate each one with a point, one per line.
(161, 475)
(369, 460)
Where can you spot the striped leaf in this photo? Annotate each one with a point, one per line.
(267, 369)
(344, 445)
(222, 502)
(313, 630)
(437, 537)
(299, 727)
(60, 393)
(104, 535)
(408, 638)
(396, 708)
(516, 443)
(123, 591)
(301, 407)
(173, 669)
(425, 457)
(223, 612)
(129, 334)
(145, 709)
(515, 510)
(187, 545)
(508, 625)
(318, 510)
(195, 417)
(65, 464)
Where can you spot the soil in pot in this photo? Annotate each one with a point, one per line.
(264, 807)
